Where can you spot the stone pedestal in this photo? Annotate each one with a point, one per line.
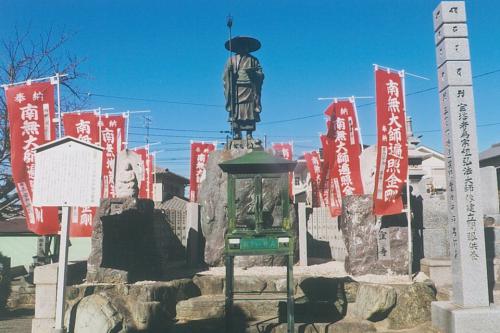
(45, 279)
(302, 234)
(435, 222)
(448, 318)
(438, 270)
(125, 243)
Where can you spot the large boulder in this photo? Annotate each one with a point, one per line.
(413, 306)
(139, 307)
(360, 232)
(212, 197)
(97, 314)
(373, 302)
(128, 243)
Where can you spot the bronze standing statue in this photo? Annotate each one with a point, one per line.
(243, 79)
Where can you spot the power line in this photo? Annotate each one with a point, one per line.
(154, 100)
(182, 136)
(373, 103)
(178, 130)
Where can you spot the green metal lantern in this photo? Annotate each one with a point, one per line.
(258, 204)
(259, 222)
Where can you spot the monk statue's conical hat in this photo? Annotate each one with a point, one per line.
(241, 43)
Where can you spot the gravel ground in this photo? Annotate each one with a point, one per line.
(16, 321)
(328, 269)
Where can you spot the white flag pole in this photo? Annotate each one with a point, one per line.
(61, 272)
(408, 206)
(59, 123)
(358, 126)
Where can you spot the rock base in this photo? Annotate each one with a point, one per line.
(451, 318)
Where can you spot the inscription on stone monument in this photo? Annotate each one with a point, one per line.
(462, 165)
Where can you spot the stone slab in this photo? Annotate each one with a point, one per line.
(45, 301)
(450, 318)
(46, 274)
(435, 213)
(436, 243)
(489, 190)
(449, 12)
(42, 325)
(438, 270)
(302, 234)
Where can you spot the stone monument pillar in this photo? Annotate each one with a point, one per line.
(469, 309)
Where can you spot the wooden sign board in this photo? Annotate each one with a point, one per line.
(67, 173)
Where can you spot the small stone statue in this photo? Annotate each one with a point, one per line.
(243, 78)
(128, 174)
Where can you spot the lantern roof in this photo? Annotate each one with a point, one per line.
(257, 161)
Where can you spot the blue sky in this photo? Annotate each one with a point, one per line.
(174, 51)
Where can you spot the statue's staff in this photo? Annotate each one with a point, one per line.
(232, 100)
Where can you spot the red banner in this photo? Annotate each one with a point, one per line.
(146, 184)
(313, 163)
(199, 159)
(113, 141)
(151, 172)
(30, 112)
(84, 126)
(392, 147)
(329, 183)
(285, 150)
(347, 147)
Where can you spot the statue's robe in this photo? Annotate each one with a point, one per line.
(248, 78)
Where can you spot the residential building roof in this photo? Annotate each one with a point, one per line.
(493, 151)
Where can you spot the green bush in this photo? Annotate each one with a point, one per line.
(4, 280)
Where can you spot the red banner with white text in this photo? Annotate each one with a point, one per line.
(146, 184)
(285, 150)
(329, 183)
(30, 112)
(313, 162)
(392, 147)
(84, 126)
(347, 147)
(113, 141)
(199, 159)
(151, 175)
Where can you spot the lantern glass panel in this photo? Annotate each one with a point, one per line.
(245, 203)
(272, 211)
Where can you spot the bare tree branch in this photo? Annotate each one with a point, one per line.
(23, 57)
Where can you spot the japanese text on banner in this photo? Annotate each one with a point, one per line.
(113, 141)
(30, 112)
(84, 126)
(199, 159)
(346, 147)
(392, 147)
(285, 150)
